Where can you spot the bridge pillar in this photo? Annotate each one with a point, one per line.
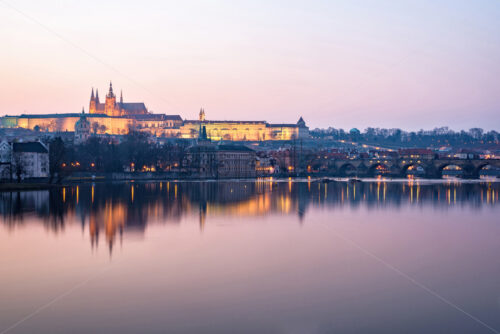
(362, 170)
(431, 172)
(470, 172)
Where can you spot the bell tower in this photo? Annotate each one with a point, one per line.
(93, 103)
(109, 106)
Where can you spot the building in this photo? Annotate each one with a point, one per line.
(118, 118)
(82, 129)
(5, 160)
(416, 153)
(112, 108)
(265, 165)
(24, 160)
(214, 161)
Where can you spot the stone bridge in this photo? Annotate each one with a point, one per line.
(433, 168)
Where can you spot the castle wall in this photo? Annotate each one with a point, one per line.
(62, 124)
(240, 131)
(216, 130)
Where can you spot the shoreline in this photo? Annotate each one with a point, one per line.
(33, 186)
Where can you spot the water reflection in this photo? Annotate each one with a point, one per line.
(108, 210)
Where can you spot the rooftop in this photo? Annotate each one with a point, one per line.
(35, 147)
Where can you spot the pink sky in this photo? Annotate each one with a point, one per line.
(410, 64)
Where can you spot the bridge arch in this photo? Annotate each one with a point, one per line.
(347, 169)
(448, 166)
(483, 166)
(418, 168)
(378, 169)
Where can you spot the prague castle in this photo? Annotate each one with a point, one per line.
(111, 108)
(118, 118)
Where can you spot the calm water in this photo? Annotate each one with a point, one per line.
(247, 257)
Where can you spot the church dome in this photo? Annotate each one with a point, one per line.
(82, 123)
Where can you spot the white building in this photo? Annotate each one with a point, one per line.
(23, 160)
(5, 159)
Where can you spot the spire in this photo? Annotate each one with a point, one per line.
(92, 95)
(301, 122)
(121, 96)
(110, 94)
(97, 95)
(83, 111)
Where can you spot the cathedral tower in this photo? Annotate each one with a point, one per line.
(109, 106)
(93, 103)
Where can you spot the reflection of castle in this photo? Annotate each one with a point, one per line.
(118, 117)
(112, 210)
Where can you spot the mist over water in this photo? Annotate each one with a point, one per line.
(251, 256)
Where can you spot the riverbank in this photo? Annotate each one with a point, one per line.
(30, 186)
(27, 186)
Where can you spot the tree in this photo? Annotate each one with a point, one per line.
(102, 128)
(476, 133)
(19, 168)
(57, 153)
(95, 127)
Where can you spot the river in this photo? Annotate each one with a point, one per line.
(265, 256)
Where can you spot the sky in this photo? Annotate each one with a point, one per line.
(406, 64)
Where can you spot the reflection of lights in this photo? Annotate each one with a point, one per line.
(385, 188)
(64, 194)
(77, 194)
(378, 191)
(132, 192)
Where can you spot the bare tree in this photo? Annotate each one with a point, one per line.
(102, 128)
(18, 167)
(95, 127)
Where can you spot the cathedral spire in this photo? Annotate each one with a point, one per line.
(110, 94)
(92, 95)
(121, 96)
(96, 95)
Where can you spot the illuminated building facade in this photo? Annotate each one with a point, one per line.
(118, 118)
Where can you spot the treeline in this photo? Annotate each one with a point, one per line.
(442, 136)
(135, 152)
